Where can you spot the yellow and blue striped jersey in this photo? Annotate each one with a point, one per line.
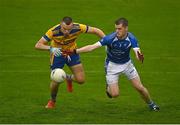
(57, 38)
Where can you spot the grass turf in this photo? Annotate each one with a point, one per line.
(24, 72)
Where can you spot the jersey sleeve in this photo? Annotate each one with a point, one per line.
(104, 41)
(49, 35)
(134, 41)
(84, 28)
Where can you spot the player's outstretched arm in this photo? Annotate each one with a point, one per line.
(88, 48)
(94, 30)
(42, 44)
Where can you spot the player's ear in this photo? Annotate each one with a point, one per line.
(126, 28)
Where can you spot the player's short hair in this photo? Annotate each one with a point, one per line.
(122, 21)
(67, 20)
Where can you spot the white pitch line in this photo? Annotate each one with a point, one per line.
(40, 56)
(33, 71)
(102, 71)
(90, 56)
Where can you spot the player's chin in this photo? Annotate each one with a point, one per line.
(118, 35)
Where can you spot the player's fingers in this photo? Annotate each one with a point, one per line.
(57, 52)
(142, 58)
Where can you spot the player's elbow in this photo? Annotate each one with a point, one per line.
(99, 32)
(37, 46)
(96, 30)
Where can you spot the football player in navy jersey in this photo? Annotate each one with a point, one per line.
(118, 60)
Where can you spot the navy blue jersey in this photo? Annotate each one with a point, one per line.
(118, 50)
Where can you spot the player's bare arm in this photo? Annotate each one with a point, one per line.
(96, 31)
(42, 44)
(88, 48)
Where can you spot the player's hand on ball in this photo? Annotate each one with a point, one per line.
(140, 56)
(57, 51)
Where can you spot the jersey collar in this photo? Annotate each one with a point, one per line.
(125, 38)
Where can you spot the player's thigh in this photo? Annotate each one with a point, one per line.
(136, 83)
(133, 76)
(112, 73)
(78, 72)
(112, 78)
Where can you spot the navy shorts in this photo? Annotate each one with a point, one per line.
(59, 62)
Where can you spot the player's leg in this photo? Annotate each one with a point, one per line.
(77, 69)
(112, 76)
(53, 90)
(77, 76)
(133, 76)
(78, 73)
(136, 82)
(112, 90)
(56, 62)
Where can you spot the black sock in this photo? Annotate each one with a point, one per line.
(53, 97)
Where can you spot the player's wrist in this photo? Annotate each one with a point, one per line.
(49, 47)
(75, 51)
(54, 49)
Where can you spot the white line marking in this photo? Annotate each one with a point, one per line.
(90, 56)
(40, 56)
(102, 71)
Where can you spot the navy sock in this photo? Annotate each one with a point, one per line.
(151, 103)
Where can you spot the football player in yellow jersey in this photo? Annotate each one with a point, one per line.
(62, 38)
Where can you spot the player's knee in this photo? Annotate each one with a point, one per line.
(80, 80)
(114, 94)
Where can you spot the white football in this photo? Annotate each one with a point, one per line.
(58, 75)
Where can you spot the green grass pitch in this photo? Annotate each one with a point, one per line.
(24, 71)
